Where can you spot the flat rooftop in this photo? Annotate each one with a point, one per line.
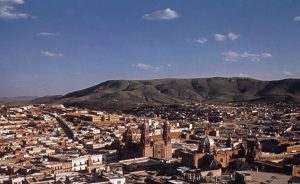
(270, 178)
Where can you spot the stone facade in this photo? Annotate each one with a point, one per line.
(150, 145)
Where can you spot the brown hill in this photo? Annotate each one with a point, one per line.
(125, 94)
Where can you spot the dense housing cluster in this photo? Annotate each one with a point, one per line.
(195, 143)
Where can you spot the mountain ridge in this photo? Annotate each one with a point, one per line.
(126, 94)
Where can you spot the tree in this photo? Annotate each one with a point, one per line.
(238, 165)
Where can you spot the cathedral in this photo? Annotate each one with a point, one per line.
(152, 143)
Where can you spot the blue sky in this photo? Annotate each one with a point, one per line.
(57, 46)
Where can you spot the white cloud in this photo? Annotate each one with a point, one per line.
(6, 2)
(288, 73)
(47, 34)
(166, 14)
(233, 36)
(51, 54)
(297, 19)
(245, 56)
(220, 37)
(9, 12)
(146, 67)
(201, 40)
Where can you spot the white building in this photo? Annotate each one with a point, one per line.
(97, 159)
(80, 163)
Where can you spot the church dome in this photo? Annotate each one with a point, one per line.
(208, 141)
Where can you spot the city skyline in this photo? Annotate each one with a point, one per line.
(55, 47)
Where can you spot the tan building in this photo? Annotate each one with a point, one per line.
(92, 118)
(110, 118)
(296, 170)
(58, 167)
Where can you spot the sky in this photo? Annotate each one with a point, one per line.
(50, 47)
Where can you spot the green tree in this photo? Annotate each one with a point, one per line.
(238, 165)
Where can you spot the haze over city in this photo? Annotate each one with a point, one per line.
(55, 47)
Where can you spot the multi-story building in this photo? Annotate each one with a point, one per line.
(82, 163)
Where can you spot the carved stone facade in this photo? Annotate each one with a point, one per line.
(151, 144)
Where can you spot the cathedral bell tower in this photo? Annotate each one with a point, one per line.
(167, 139)
(145, 141)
